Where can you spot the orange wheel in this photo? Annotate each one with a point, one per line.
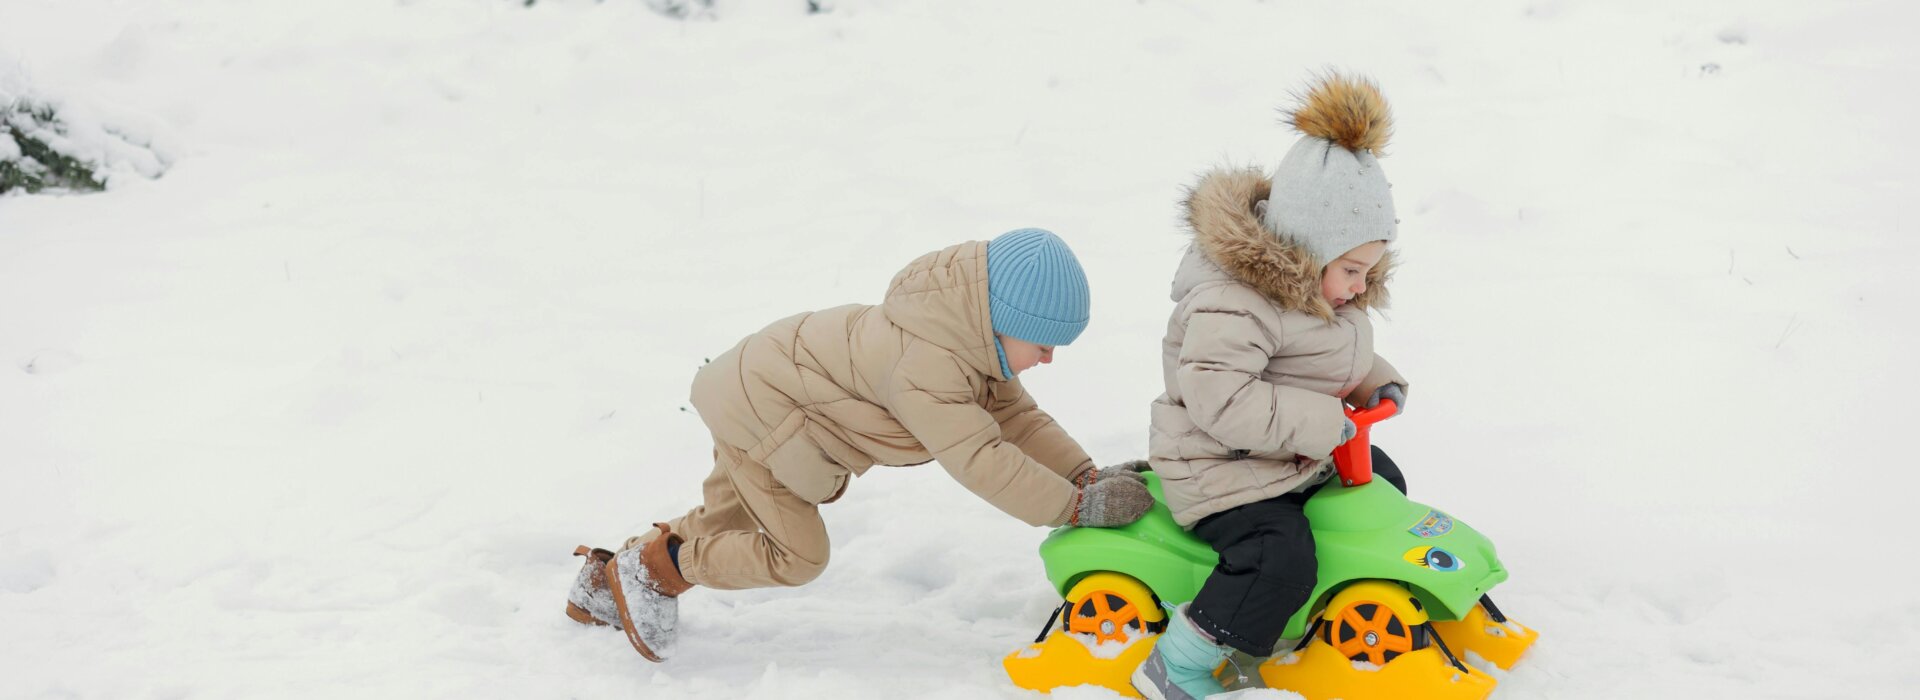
(1112, 607)
(1368, 631)
(1106, 616)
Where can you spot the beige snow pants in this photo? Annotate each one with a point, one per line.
(750, 533)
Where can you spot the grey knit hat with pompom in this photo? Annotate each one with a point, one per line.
(1329, 193)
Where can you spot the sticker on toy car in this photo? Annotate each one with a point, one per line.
(1434, 525)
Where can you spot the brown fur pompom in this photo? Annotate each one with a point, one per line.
(1345, 110)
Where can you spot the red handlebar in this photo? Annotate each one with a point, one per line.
(1354, 458)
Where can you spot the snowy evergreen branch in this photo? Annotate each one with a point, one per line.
(29, 162)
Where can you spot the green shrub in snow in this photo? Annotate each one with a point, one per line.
(29, 162)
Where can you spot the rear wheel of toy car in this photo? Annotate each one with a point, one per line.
(1112, 607)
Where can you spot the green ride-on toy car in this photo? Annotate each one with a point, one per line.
(1401, 596)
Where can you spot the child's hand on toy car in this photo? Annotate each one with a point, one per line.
(1110, 503)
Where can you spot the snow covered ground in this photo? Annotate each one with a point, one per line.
(322, 411)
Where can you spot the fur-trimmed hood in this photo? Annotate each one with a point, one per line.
(1226, 225)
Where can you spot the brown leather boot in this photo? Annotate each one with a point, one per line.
(645, 585)
(590, 602)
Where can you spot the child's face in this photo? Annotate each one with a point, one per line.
(1022, 355)
(1343, 279)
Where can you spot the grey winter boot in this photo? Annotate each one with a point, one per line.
(1182, 663)
(590, 601)
(645, 585)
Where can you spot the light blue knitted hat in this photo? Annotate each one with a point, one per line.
(1036, 290)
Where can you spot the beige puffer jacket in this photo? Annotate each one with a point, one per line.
(822, 396)
(1256, 363)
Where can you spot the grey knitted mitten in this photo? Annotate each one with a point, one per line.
(1110, 503)
(1124, 470)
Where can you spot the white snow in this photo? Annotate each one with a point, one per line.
(324, 409)
(1102, 650)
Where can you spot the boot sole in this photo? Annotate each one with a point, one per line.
(626, 621)
(1144, 685)
(580, 615)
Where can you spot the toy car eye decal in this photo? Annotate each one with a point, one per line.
(1433, 558)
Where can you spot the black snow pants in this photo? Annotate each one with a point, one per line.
(1267, 566)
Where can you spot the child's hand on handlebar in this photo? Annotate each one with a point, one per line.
(1391, 392)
